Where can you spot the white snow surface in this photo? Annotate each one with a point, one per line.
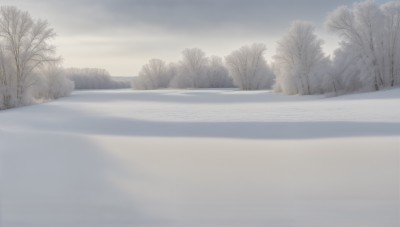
(202, 158)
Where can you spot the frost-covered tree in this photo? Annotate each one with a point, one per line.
(347, 70)
(192, 71)
(7, 81)
(27, 42)
(249, 68)
(218, 74)
(154, 75)
(391, 12)
(25, 50)
(56, 82)
(195, 70)
(300, 65)
(371, 41)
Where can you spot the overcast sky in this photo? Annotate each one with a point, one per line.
(122, 35)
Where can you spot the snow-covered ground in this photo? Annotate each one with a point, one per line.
(202, 158)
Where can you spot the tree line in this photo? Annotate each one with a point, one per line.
(368, 58)
(94, 78)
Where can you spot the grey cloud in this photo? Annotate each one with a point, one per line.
(214, 14)
(181, 15)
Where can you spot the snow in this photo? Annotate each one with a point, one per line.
(202, 158)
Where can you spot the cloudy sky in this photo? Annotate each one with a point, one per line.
(122, 35)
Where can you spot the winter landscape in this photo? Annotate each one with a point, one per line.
(299, 137)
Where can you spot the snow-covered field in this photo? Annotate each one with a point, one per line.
(202, 158)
